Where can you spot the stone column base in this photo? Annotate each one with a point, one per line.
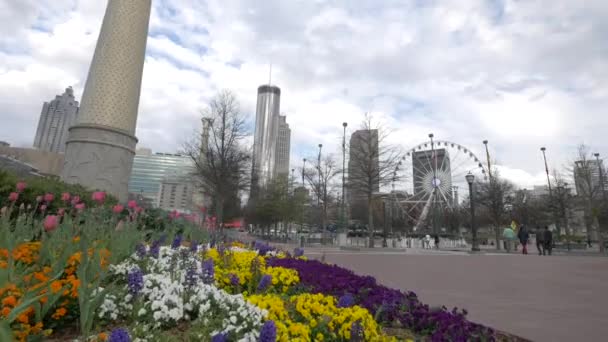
(99, 158)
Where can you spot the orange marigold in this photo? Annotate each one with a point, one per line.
(5, 311)
(60, 312)
(9, 301)
(102, 336)
(56, 286)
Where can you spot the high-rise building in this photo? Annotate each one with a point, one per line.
(283, 146)
(265, 136)
(176, 194)
(363, 148)
(101, 145)
(150, 170)
(587, 177)
(56, 118)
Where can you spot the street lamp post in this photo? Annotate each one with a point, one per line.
(344, 221)
(485, 142)
(319, 190)
(470, 179)
(557, 225)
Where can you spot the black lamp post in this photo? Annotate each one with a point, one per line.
(319, 190)
(344, 221)
(471, 179)
(557, 225)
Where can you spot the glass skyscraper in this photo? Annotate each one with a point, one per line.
(150, 170)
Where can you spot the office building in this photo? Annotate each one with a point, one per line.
(176, 194)
(363, 148)
(283, 146)
(101, 145)
(56, 118)
(265, 136)
(150, 170)
(587, 177)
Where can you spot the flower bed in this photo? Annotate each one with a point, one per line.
(96, 274)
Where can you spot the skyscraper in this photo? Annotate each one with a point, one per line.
(363, 148)
(101, 145)
(56, 118)
(283, 146)
(265, 136)
(587, 177)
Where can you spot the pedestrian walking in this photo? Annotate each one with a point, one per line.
(523, 237)
(548, 241)
(437, 241)
(509, 235)
(539, 239)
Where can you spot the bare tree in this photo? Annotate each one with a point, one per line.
(371, 165)
(320, 179)
(562, 203)
(221, 160)
(588, 187)
(495, 195)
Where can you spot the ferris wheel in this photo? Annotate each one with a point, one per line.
(428, 180)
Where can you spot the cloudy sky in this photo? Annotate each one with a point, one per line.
(521, 74)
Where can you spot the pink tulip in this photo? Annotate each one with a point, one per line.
(99, 197)
(38, 199)
(65, 196)
(21, 186)
(139, 210)
(75, 200)
(50, 223)
(13, 196)
(117, 209)
(61, 212)
(132, 204)
(79, 206)
(49, 198)
(43, 208)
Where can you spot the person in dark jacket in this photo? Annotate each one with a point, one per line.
(523, 235)
(539, 239)
(548, 241)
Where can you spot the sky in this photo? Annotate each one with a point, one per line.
(521, 74)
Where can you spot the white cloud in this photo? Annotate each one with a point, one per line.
(520, 74)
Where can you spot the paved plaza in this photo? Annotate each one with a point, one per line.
(558, 298)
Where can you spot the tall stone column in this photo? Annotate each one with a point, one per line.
(101, 145)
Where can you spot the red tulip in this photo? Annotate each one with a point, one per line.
(75, 200)
(65, 196)
(13, 196)
(21, 186)
(99, 197)
(139, 210)
(117, 209)
(50, 223)
(49, 198)
(61, 212)
(79, 206)
(132, 204)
